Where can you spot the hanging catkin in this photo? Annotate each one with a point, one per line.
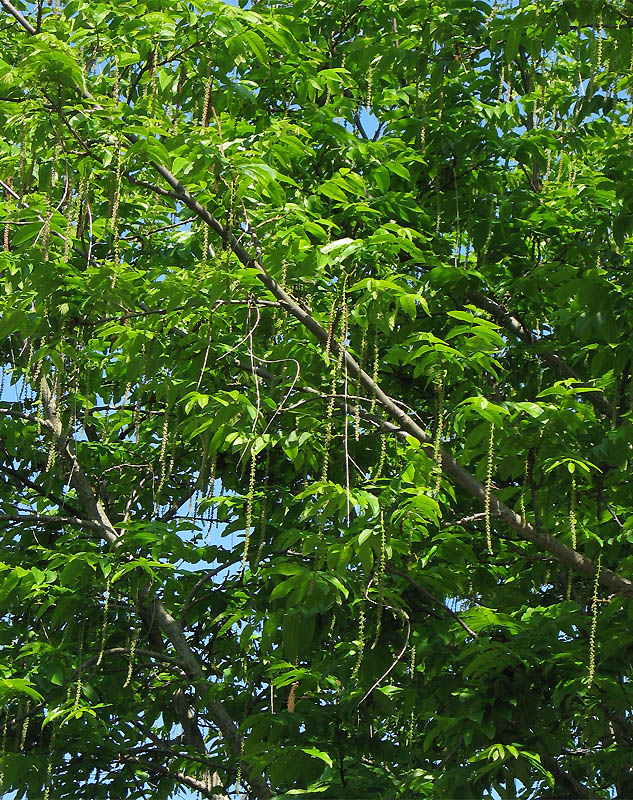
(249, 509)
(49, 765)
(153, 73)
(594, 624)
(491, 446)
(263, 515)
(370, 88)
(204, 119)
(330, 330)
(46, 227)
(335, 373)
(79, 668)
(380, 577)
(381, 456)
(25, 726)
(115, 83)
(23, 144)
(439, 430)
(163, 454)
(114, 221)
(130, 669)
(523, 492)
(104, 625)
(359, 386)
(411, 677)
(3, 745)
(572, 529)
(361, 640)
(374, 375)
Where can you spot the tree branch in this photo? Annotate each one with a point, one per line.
(20, 18)
(514, 326)
(186, 780)
(430, 596)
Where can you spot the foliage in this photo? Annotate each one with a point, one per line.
(316, 425)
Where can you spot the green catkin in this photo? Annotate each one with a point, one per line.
(359, 387)
(502, 80)
(361, 641)
(523, 492)
(114, 221)
(137, 407)
(83, 191)
(6, 244)
(130, 669)
(249, 509)
(263, 515)
(3, 746)
(204, 119)
(491, 15)
(211, 482)
(330, 331)
(23, 154)
(49, 765)
(126, 394)
(174, 120)
(370, 88)
(104, 624)
(335, 373)
(105, 434)
(381, 458)
(115, 83)
(572, 529)
(162, 459)
(594, 624)
(153, 74)
(172, 456)
(27, 369)
(600, 33)
(39, 406)
(548, 168)
(412, 677)
(70, 218)
(25, 726)
(374, 375)
(491, 451)
(439, 430)
(559, 177)
(380, 576)
(46, 227)
(330, 630)
(238, 777)
(79, 669)
(279, 315)
(205, 243)
(52, 451)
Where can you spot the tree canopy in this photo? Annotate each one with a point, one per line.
(316, 408)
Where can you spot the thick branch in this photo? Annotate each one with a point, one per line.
(186, 780)
(48, 519)
(20, 17)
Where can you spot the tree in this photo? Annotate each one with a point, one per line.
(316, 417)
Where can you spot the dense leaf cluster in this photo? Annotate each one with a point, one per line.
(316, 407)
